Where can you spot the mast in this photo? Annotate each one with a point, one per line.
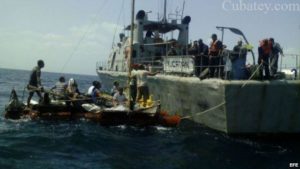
(165, 12)
(183, 5)
(131, 52)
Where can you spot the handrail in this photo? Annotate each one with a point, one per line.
(158, 65)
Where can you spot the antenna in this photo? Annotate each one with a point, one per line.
(182, 9)
(165, 12)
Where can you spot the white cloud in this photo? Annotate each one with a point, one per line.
(21, 49)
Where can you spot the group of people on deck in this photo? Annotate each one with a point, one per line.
(70, 91)
(205, 57)
(208, 60)
(215, 61)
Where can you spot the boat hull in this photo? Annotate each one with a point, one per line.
(149, 116)
(233, 107)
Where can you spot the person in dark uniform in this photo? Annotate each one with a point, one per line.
(35, 82)
(193, 50)
(238, 62)
(203, 55)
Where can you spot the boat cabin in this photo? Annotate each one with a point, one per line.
(151, 48)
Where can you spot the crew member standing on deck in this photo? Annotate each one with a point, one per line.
(237, 62)
(194, 50)
(214, 56)
(35, 82)
(264, 51)
(142, 87)
(202, 55)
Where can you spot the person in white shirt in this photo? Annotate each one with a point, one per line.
(72, 89)
(91, 88)
(115, 87)
(119, 97)
(60, 88)
(142, 87)
(96, 92)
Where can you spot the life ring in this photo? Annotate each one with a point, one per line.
(169, 120)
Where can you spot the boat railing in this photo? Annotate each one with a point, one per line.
(186, 65)
(289, 61)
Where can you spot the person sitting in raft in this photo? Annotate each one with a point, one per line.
(96, 93)
(115, 87)
(119, 97)
(91, 88)
(59, 90)
(72, 89)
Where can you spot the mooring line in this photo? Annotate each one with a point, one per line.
(252, 75)
(206, 111)
(223, 103)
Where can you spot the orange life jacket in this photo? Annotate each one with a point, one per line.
(214, 49)
(266, 46)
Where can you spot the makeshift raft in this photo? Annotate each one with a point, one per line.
(144, 116)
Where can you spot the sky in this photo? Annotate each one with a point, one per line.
(71, 36)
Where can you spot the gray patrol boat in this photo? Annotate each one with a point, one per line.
(231, 106)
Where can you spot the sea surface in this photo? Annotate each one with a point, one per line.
(26, 144)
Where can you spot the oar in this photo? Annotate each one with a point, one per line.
(34, 88)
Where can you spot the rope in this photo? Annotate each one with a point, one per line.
(83, 99)
(252, 75)
(206, 111)
(122, 6)
(223, 103)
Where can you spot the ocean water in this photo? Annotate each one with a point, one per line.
(29, 144)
